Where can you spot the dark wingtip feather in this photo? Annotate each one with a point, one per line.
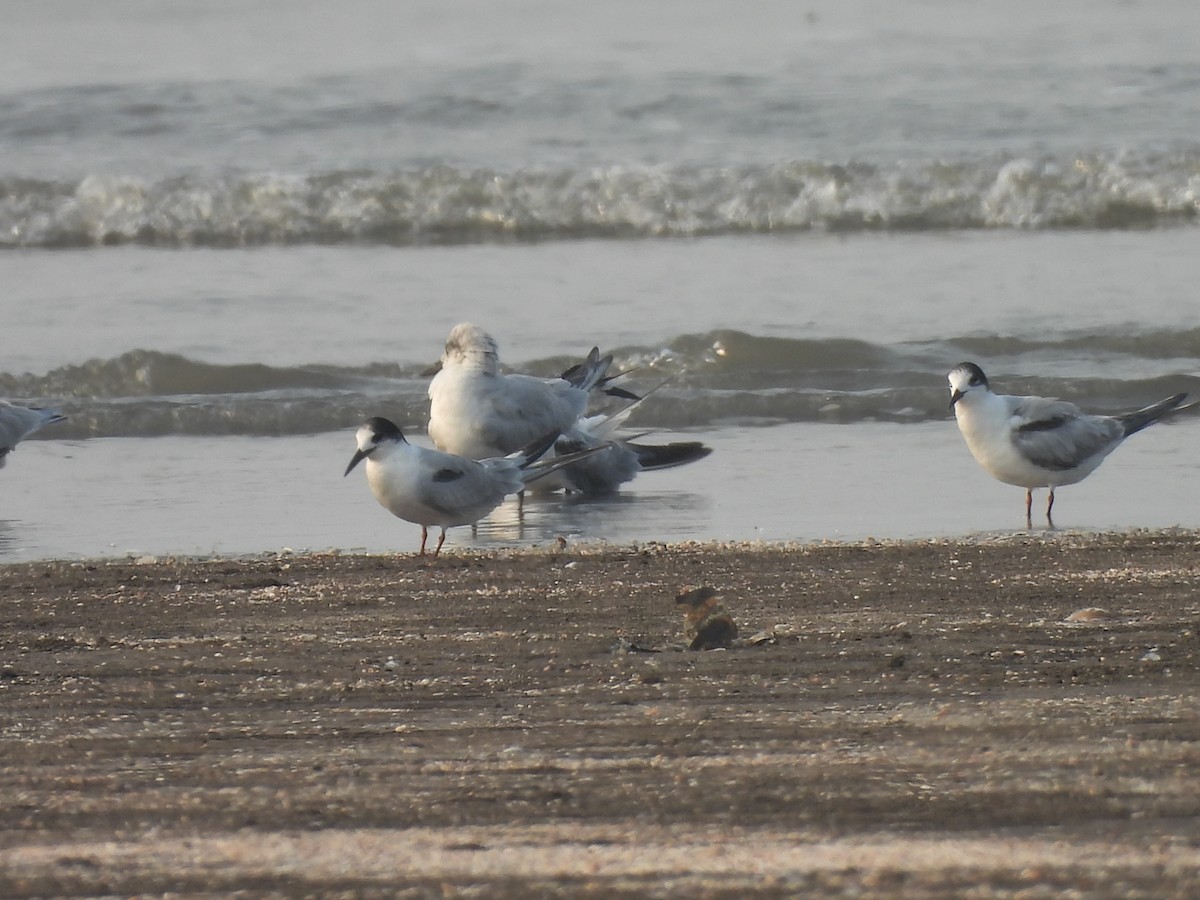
(536, 449)
(1134, 422)
(665, 456)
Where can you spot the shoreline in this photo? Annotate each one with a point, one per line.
(919, 717)
(585, 546)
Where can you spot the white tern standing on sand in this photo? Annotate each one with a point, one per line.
(1035, 442)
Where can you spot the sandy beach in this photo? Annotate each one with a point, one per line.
(1005, 716)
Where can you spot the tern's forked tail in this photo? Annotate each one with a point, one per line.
(667, 456)
(1134, 422)
(589, 373)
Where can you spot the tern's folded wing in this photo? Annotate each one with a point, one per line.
(1057, 435)
(18, 422)
(463, 491)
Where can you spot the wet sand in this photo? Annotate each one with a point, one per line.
(921, 719)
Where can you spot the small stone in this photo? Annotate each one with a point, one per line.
(1089, 614)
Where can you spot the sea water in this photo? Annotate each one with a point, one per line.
(232, 231)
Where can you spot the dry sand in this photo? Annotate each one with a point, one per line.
(927, 719)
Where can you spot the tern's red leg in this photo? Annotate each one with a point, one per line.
(424, 538)
(441, 540)
(1029, 508)
(1049, 507)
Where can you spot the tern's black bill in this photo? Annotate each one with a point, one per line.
(358, 457)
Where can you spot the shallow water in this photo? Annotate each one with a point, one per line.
(233, 495)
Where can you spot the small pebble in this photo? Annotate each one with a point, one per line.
(1089, 614)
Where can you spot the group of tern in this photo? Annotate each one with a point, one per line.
(498, 433)
(506, 421)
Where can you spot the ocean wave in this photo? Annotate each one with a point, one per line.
(446, 205)
(699, 381)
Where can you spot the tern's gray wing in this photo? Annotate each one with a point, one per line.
(18, 422)
(546, 405)
(462, 490)
(601, 473)
(524, 408)
(1057, 435)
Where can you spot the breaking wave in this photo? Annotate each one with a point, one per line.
(446, 205)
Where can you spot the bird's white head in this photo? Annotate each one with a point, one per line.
(964, 378)
(373, 435)
(469, 345)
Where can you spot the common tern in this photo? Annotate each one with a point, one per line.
(1035, 442)
(19, 422)
(479, 412)
(432, 488)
